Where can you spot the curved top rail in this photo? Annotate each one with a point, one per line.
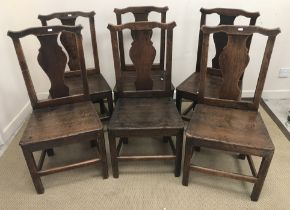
(230, 12)
(142, 25)
(44, 30)
(66, 15)
(240, 30)
(141, 9)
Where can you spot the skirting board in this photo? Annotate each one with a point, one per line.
(12, 128)
(271, 94)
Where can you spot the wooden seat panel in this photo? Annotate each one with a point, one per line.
(229, 126)
(145, 114)
(54, 123)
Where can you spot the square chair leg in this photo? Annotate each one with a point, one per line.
(114, 160)
(265, 164)
(30, 161)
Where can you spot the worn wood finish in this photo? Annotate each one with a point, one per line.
(139, 112)
(142, 45)
(227, 122)
(64, 118)
(141, 14)
(188, 88)
(99, 88)
(126, 82)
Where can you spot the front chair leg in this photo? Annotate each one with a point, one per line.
(103, 155)
(265, 164)
(179, 144)
(114, 160)
(186, 165)
(30, 161)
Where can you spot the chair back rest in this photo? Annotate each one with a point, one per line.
(141, 14)
(142, 54)
(227, 17)
(68, 40)
(233, 61)
(52, 60)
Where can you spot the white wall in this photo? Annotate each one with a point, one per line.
(17, 15)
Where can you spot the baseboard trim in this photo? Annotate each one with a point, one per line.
(271, 94)
(12, 128)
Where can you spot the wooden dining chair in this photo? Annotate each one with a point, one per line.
(145, 108)
(99, 88)
(141, 14)
(189, 87)
(227, 122)
(65, 117)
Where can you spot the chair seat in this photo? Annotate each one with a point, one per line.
(216, 125)
(61, 123)
(97, 85)
(145, 114)
(129, 78)
(191, 85)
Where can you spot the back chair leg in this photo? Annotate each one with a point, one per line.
(265, 164)
(179, 145)
(110, 104)
(103, 156)
(241, 156)
(114, 160)
(186, 165)
(125, 140)
(178, 101)
(50, 152)
(166, 139)
(102, 107)
(30, 161)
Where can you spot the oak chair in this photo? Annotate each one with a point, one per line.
(64, 118)
(189, 87)
(141, 14)
(227, 122)
(99, 88)
(147, 109)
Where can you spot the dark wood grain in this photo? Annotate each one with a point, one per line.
(187, 89)
(161, 80)
(142, 54)
(227, 122)
(63, 118)
(141, 14)
(99, 88)
(49, 53)
(144, 107)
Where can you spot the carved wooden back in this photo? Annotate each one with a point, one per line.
(69, 40)
(142, 54)
(141, 14)
(52, 60)
(233, 61)
(227, 17)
